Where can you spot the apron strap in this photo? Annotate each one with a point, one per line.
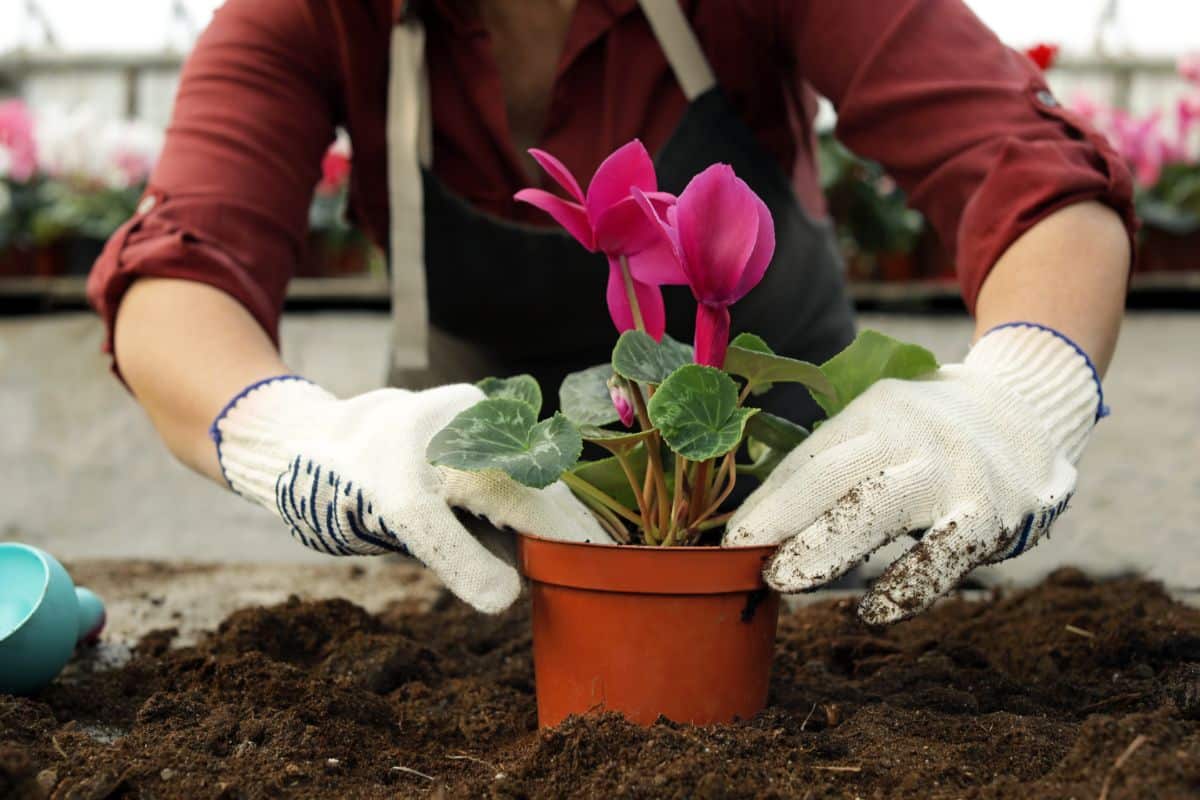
(410, 147)
(678, 41)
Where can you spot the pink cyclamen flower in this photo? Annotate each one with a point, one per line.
(1085, 106)
(621, 400)
(607, 220)
(17, 140)
(1189, 68)
(1187, 115)
(723, 237)
(1141, 143)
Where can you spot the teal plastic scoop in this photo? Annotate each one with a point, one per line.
(43, 615)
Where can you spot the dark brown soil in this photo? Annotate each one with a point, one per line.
(1066, 690)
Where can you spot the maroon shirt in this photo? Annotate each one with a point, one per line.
(963, 123)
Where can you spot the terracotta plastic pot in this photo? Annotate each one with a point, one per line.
(687, 633)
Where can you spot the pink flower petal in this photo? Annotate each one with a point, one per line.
(654, 212)
(712, 334)
(570, 215)
(557, 170)
(622, 402)
(717, 224)
(658, 265)
(650, 303)
(760, 258)
(624, 229)
(629, 165)
(1189, 68)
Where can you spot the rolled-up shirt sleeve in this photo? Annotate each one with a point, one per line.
(227, 203)
(963, 123)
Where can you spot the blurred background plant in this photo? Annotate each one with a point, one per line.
(884, 240)
(877, 230)
(1163, 150)
(69, 178)
(18, 182)
(335, 245)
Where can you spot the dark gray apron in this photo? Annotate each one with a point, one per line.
(505, 298)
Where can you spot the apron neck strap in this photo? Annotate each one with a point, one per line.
(678, 41)
(410, 147)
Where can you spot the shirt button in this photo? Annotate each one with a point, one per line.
(1048, 100)
(147, 205)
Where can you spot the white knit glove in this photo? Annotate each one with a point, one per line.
(350, 477)
(980, 454)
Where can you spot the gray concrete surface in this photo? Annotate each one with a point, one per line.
(82, 474)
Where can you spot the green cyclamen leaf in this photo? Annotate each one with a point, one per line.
(696, 410)
(762, 368)
(504, 434)
(639, 358)
(751, 341)
(778, 433)
(519, 387)
(584, 398)
(765, 460)
(608, 476)
(613, 440)
(871, 357)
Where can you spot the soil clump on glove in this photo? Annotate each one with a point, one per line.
(1068, 689)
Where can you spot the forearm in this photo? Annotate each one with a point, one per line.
(185, 349)
(1069, 272)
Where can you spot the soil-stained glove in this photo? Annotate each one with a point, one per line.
(981, 455)
(350, 477)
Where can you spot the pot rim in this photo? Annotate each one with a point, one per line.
(641, 569)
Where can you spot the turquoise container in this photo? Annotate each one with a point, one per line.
(43, 615)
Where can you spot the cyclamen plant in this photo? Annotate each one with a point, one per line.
(674, 418)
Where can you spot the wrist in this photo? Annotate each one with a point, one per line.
(250, 432)
(1049, 372)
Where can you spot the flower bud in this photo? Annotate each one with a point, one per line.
(621, 400)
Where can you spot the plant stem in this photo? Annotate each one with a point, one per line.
(699, 489)
(726, 468)
(654, 466)
(681, 467)
(715, 522)
(630, 293)
(633, 484)
(745, 393)
(608, 520)
(728, 464)
(639, 404)
(584, 488)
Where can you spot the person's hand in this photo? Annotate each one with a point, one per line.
(980, 455)
(350, 477)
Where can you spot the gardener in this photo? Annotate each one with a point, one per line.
(441, 103)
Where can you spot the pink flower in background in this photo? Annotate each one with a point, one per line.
(335, 166)
(18, 149)
(1142, 144)
(723, 237)
(1082, 104)
(1187, 117)
(1189, 68)
(134, 166)
(1142, 140)
(607, 220)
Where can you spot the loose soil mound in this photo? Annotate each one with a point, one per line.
(1071, 689)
